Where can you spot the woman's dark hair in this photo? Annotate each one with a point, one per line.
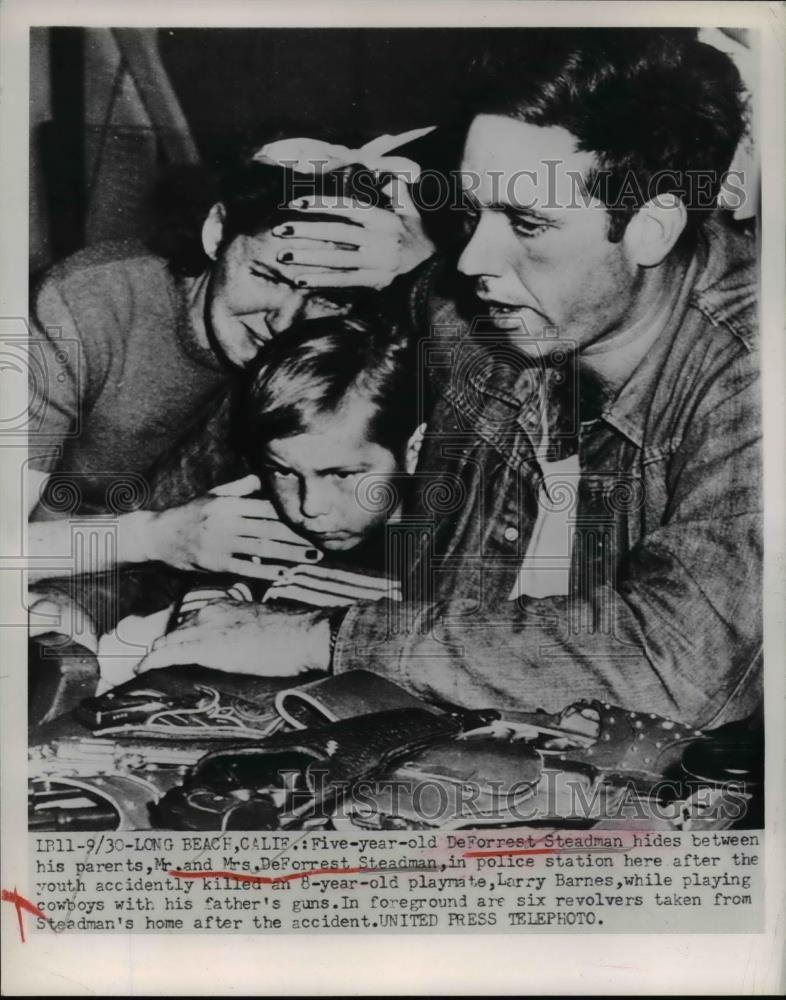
(312, 370)
(255, 196)
(661, 111)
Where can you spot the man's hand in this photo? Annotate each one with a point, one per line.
(366, 247)
(212, 532)
(244, 638)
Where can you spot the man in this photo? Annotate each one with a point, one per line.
(595, 528)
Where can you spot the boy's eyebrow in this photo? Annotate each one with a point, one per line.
(273, 464)
(358, 467)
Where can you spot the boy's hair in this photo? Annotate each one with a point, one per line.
(316, 366)
(661, 111)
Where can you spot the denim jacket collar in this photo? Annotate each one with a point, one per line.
(723, 293)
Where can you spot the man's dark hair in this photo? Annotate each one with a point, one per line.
(316, 366)
(661, 111)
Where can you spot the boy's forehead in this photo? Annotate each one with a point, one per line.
(333, 436)
(349, 421)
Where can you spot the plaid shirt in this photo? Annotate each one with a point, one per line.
(663, 604)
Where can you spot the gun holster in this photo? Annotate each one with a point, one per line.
(362, 752)
(61, 673)
(291, 776)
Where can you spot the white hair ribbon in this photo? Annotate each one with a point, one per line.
(309, 156)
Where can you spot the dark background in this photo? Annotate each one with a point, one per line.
(116, 112)
(96, 154)
(347, 80)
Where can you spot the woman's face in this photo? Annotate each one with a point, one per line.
(250, 299)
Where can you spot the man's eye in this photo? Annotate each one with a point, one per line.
(344, 475)
(281, 474)
(469, 220)
(526, 227)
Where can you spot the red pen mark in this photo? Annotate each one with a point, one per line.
(313, 872)
(523, 850)
(271, 880)
(22, 904)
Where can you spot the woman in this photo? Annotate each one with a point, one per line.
(131, 353)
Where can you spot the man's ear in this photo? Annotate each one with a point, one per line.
(213, 230)
(653, 231)
(413, 449)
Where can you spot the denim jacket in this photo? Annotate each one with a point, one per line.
(663, 607)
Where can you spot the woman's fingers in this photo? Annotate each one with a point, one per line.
(357, 278)
(269, 548)
(368, 216)
(252, 508)
(258, 570)
(292, 234)
(254, 526)
(270, 529)
(342, 260)
(241, 526)
(272, 532)
(239, 488)
(400, 196)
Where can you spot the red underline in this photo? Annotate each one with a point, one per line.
(313, 872)
(21, 903)
(522, 850)
(270, 879)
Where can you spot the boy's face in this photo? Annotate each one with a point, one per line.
(325, 481)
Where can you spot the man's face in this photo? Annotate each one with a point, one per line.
(319, 479)
(538, 250)
(251, 299)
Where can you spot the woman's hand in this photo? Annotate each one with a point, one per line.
(366, 246)
(213, 532)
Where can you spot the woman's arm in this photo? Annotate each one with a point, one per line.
(219, 533)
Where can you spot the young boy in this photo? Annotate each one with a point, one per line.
(330, 421)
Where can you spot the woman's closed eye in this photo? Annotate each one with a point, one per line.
(328, 305)
(267, 276)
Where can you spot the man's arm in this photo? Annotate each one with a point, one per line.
(678, 633)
